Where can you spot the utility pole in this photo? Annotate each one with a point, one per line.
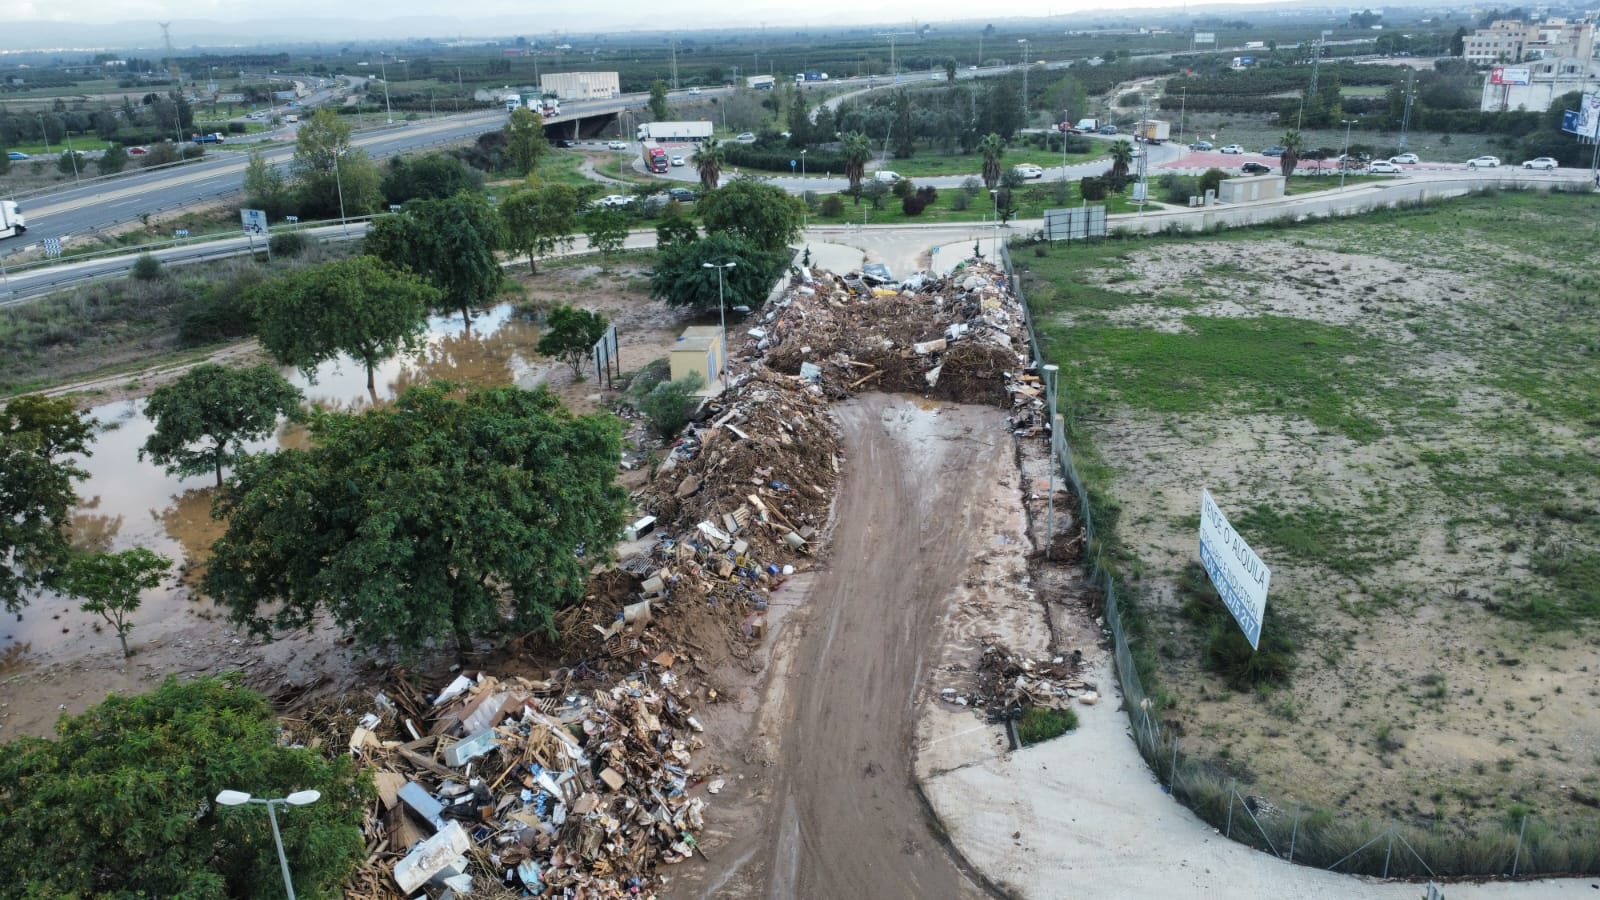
(1142, 192)
(1024, 59)
(891, 35)
(1311, 91)
(1405, 117)
(674, 63)
(177, 83)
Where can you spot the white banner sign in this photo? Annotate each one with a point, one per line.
(1205, 37)
(1589, 116)
(1239, 574)
(255, 221)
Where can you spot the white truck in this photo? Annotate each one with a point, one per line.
(12, 221)
(761, 82)
(674, 131)
(513, 102)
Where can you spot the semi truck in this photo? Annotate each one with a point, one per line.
(655, 159)
(802, 77)
(760, 82)
(544, 106)
(214, 137)
(1153, 131)
(12, 221)
(674, 131)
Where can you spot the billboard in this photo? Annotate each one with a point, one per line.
(1205, 37)
(1503, 75)
(1588, 117)
(1075, 223)
(1239, 574)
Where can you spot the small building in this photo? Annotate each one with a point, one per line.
(1534, 85)
(580, 85)
(698, 349)
(1250, 188)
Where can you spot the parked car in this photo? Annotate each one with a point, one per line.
(1384, 167)
(1274, 150)
(681, 194)
(616, 145)
(886, 176)
(1542, 162)
(1483, 162)
(1232, 148)
(615, 200)
(1405, 159)
(1202, 145)
(677, 160)
(17, 156)
(1108, 129)
(694, 92)
(138, 151)
(1255, 168)
(746, 136)
(1029, 170)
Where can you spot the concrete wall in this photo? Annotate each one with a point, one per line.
(1251, 188)
(581, 85)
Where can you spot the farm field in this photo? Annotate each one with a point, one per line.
(1398, 413)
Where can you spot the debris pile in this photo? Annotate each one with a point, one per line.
(541, 790)
(1006, 685)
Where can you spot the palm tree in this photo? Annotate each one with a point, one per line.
(992, 147)
(856, 150)
(1121, 159)
(708, 160)
(1293, 143)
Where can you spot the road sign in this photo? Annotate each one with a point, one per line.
(255, 220)
(52, 247)
(181, 232)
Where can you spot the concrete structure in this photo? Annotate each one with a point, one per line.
(1546, 79)
(581, 85)
(1511, 42)
(1251, 188)
(698, 349)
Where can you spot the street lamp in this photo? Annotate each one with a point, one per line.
(384, 73)
(1344, 160)
(1050, 371)
(995, 244)
(339, 185)
(298, 798)
(1024, 43)
(44, 133)
(722, 313)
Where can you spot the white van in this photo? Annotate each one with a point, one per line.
(886, 176)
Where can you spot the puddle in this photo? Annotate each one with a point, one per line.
(128, 502)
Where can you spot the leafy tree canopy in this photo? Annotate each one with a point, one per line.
(570, 334)
(450, 243)
(120, 802)
(541, 220)
(219, 407)
(681, 278)
(448, 512)
(762, 215)
(525, 140)
(330, 171)
(432, 176)
(36, 490)
(109, 584)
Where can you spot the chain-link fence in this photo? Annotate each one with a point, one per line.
(1517, 844)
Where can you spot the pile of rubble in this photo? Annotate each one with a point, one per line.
(1006, 685)
(531, 788)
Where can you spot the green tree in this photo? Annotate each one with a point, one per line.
(109, 584)
(71, 163)
(681, 278)
(450, 243)
(606, 230)
(360, 307)
(327, 167)
(432, 176)
(708, 160)
(266, 188)
(659, 110)
(763, 215)
(993, 148)
(856, 150)
(675, 231)
(540, 221)
(570, 334)
(668, 405)
(950, 69)
(1293, 144)
(119, 803)
(113, 160)
(218, 407)
(1210, 179)
(1121, 159)
(904, 143)
(525, 139)
(38, 437)
(5, 161)
(438, 514)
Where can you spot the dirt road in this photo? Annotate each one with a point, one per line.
(840, 816)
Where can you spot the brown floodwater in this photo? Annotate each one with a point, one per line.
(128, 502)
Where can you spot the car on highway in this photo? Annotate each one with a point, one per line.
(1108, 129)
(1255, 168)
(1405, 159)
(616, 145)
(1541, 162)
(682, 195)
(694, 92)
(746, 137)
(1274, 150)
(1384, 167)
(1028, 170)
(1483, 162)
(615, 200)
(1234, 149)
(1201, 145)
(677, 160)
(138, 151)
(564, 143)
(17, 156)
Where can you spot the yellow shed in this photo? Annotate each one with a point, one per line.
(698, 349)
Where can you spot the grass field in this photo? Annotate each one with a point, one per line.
(1398, 412)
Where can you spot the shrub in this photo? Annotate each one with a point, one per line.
(903, 188)
(960, 200)
(218, 316)
(929, 194)
(913, 204)
(669, 404)
(1210, 179)
(832, 205)
(1092, 188)
(146, 268)
(1039, 724)
(288, 243)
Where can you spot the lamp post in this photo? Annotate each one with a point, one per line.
(298, 798)
(1344, 158)
(995, 244)
(339, 185)
(384, 73)
(1024, 61)
(44, 133)
(1050, 371)
(722, 314)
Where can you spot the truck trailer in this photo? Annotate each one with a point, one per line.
(12, 221)
(674, 131)
(1153, 131)
(760, 82)
(802, 77)
(655, 159)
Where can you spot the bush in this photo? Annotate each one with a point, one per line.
(913, 205)
(288, 243)
(669, 404)
(1039, 724)
(960, 200)
(219, 316)
(832, 205)
(1093, 188)
(1209, 180)
(903, 188)
(146, 268)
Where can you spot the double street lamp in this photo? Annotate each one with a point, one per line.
(298, 798)
(722, 313)
(1344, 158)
